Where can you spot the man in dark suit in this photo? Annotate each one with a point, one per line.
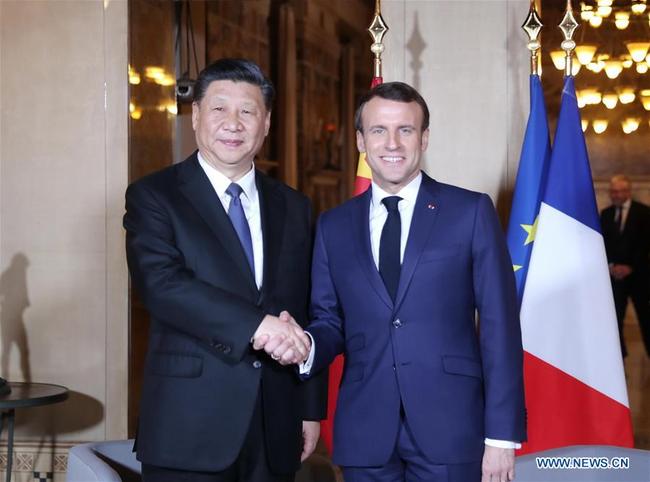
(217, 250)
(397, 275)
(626, 230)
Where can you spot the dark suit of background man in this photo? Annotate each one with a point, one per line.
(626, 229)
(215, 265)
(397, 275)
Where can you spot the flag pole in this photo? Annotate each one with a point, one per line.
(533, 26)
(377, 30)
(568, 25)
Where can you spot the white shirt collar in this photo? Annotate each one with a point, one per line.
(408, 193)
(220, 182)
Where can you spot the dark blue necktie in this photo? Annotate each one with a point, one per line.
(389, 246)
(240, 223)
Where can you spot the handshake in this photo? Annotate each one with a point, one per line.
(283, 339)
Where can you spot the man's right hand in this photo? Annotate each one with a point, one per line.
(282, 338)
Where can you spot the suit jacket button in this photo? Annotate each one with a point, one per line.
(397, 323)
(226, 349)
(257, 364)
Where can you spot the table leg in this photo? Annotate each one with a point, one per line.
(9, 415)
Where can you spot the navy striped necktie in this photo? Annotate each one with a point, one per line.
(240, 223)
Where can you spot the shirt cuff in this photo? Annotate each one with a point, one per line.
(305, 367)
(502, 444)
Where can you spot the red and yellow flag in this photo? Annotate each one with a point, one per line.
(361, 184)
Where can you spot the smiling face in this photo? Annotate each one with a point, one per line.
(393, 141)
(230, 123)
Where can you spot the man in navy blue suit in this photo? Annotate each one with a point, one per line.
(398, 274)
(217, 251)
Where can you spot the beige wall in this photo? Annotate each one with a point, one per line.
(469, 61)
(63, 171)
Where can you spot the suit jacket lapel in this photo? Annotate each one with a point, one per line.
(361, 233)
(196, 187)
(425, 213)
(272, 210)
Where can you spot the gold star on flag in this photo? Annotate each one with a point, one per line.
(531, 229)
(516, 267)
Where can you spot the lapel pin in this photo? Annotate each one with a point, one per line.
(431, 206)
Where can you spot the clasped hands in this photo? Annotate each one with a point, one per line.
(283, 339)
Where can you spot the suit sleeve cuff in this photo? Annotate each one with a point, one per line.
(502, 444)
(304, 368)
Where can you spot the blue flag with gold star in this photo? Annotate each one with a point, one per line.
(530, 184)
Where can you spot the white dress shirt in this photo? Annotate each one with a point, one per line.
(250, 201)
(379, 214)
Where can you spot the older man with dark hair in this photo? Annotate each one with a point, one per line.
(218, 252)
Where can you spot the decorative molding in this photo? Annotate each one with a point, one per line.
(60, 462)
(34, 457)
(23, 462)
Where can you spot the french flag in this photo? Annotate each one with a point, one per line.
(575, 383)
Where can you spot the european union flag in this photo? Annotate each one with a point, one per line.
(530, 184)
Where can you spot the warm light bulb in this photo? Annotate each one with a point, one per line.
(622, 20)
(638, 50)
(165, 80)
(599, 125)
(610, 100)
(575, 68)
(596, 67)
(630, 124)
(604, 11)
(153, 72)
(591, 96)
(584, 123)
(642, 67)
(613, 68)
(646, 102)
(581, 98)
(626, 95)
(136, 114)
(557, 56)
(605, 3)
(586, 13)
(626, 61)
(585, 53)
(638, 8)
(596, 21)
(134, 77)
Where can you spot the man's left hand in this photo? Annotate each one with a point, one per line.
(498, 464)
(310, 434)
